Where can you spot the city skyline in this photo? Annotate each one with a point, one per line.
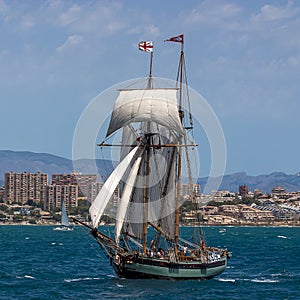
(243, 58)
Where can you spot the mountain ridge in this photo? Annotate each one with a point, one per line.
(32, 162)
(27, 161)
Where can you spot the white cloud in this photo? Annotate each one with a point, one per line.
(3, 7)
(71, 42)
(72, 14)
(293, 61)
(27, 22)
(276, 13)
(100, 18)
(212, 13)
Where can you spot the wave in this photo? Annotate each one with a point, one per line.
(282, 237)
(264, 280)
(82, 279)
(226, 279)
(29, 277)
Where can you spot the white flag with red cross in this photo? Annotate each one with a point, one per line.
(146, 46)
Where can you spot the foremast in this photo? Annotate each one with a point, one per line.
(147, 168)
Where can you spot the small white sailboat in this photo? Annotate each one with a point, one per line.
(65, 225)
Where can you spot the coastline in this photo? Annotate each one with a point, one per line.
(277, 224)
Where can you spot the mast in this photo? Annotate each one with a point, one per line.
(181, 76)
(146, 196)
(178, 195)
(150, 83)
(146, 193)
(178, 39)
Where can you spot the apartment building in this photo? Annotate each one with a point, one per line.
(55, 194)
(84, 182)
(22, 187)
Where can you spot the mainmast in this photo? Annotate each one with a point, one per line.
(148, 47)
(178, 192)
(181, 69)
(146, 195)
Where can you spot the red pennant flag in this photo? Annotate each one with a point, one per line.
(146, 46)
(177, 39)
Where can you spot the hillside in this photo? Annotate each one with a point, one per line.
(25, 161)
(265, 183)
(21, 161)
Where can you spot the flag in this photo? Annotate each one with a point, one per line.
(146, 46)
(178, 39)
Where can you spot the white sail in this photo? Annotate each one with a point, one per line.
(155, 105)
(97, 208)
(122, 209)
(64, 217)
(162, 188)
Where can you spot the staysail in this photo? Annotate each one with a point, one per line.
(139, 105)
(97, 208)
(122, 209)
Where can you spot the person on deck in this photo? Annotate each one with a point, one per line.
(185, 249)
(202, 244)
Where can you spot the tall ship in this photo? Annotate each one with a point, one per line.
(154, 150)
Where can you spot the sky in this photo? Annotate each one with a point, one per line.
(243, 57)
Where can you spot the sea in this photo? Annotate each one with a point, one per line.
(37, 262)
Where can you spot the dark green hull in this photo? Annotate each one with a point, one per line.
(163, 269)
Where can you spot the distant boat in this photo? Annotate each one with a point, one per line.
(154, 144)
(65, 225)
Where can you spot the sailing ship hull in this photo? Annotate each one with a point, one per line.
(162, 269)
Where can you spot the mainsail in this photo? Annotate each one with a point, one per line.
(64, 217)
(153, 105)
(97, 208)
(162, 186)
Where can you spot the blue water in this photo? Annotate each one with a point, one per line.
(39, 263)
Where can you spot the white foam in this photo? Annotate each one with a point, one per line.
(226, 279)
(264, 280)
(82, 279)
(282, 237)
(276, 274)
(29, 277)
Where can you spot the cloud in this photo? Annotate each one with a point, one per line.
(100, 18)
(212, 13)
(3, 7)
(27, 22)
(72, 14)
(72, 42)
(276, 13)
